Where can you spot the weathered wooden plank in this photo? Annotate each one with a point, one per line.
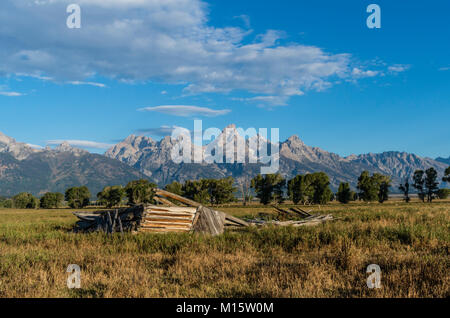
(176, 197)
(145, 230)
(170, 209)
(164, 226)
(209, 221)
(300, 211)
(236, 220)
(171, 217)
(169, 214)
(164, 201)
(168, 221)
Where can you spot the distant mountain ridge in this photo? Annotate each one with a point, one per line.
(153, 159)
(25, 169)
(444, 160)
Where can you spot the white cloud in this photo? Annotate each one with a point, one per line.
(398, 68)
(358, 73)
(81, 143)
(269, 99)
(444, 68)
(166, 41)
(159, 131)
(186, 111)
(35, 146)
(11, 94)
(87, 83)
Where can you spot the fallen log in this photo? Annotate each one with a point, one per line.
(301, 212)
(310, 221)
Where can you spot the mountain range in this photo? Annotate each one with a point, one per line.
(24, 168)
(153, 159)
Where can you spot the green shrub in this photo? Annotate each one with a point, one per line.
(443, 193)
(25, 200)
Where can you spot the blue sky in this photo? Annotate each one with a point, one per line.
(310, 68)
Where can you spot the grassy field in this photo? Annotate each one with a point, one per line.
(410, 242)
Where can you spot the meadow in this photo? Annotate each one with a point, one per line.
(410, 242)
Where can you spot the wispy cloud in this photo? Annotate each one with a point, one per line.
(359, 73)
(186, 111)
(267, 100)
(35, 146)
(447, 68)
(245, 18)
(87, 83)
(398, 68)
(80, 143)
(11, 94)
(158, 131)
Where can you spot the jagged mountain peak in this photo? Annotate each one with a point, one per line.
(18, 150)
(6, 140)
(230, 126)
(295, 141)
(66, 147)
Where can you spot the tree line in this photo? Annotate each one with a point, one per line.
(312, 188)
(137, 192)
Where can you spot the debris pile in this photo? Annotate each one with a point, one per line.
(155, 218)
(193, 217)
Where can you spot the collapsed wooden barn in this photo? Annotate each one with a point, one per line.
(169, 217)
(159, 218)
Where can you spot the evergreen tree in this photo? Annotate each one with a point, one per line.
(431, 184)
(419, 182)
(405, 189)
(269, 188)
(367, 186)
(344, 194)
(221, 190)
(446, 177)
(321, 185)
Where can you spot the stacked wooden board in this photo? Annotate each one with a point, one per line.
(167, 219)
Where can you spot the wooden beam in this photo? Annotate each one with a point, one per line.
(235, 220)
(176, 197)
(163, 201)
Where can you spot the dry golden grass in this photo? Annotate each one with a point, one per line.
(410, 242)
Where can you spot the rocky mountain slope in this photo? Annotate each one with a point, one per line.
(23, 168)
(444, 160)
(153, 159)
